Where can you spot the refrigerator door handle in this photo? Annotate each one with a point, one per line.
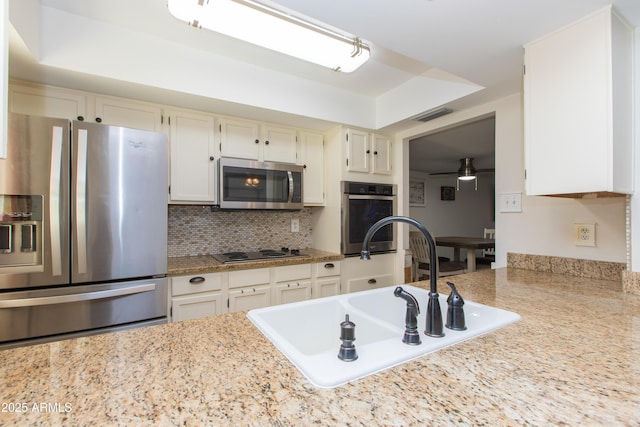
(64, 299)
(81, 201)
(54, 200)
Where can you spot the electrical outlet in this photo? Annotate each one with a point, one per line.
(295, 225)
(585, 234)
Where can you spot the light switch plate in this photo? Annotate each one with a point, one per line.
(511, 202)
(585, 234)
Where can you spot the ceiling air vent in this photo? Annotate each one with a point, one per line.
(433, 114)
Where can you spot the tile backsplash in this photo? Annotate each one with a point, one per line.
(195, 230)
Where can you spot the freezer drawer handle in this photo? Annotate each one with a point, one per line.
(63, 299)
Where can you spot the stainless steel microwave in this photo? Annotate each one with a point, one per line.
(250, 184)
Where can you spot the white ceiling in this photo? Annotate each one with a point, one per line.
(425, 53)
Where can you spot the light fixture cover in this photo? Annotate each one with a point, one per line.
(466, 171)
(258, 24)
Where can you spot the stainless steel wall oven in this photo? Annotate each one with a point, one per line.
(363, 204)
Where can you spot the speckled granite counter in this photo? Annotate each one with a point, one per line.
(207, 264)
(573, 359)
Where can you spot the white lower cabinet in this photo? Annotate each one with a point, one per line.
(249, 298)
(210, 294)
(197, 306)
(196, 296)
(359, 275)
(293, 283)
(295, 291)
(249, 289)
(327, 280)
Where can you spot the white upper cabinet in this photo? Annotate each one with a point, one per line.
(50, 101)
(578, 108)
(240, 139)
(193, 167)
(255, 141)
(279, 144)
(312, 159)
(126, 113)
(4, 75)
(47, 101)
(358, 151)
(381, 155)
(368, 152)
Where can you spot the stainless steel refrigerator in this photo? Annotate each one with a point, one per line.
(83, 229)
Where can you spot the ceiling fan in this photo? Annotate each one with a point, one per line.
(466, 172)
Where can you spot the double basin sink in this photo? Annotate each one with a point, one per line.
(308, 332)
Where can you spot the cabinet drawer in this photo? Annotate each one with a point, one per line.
(257, 276)
(326, 269)
(182, 285)
(293, 272)
(367, 283)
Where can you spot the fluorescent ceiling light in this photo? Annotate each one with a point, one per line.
(263, 26)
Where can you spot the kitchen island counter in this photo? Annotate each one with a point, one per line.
(573, 359)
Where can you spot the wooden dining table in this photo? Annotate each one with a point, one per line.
(471, 244)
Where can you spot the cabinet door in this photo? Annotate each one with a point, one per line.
(242, 299)
(279, 144)
(240, 139)
(48, 102)
(125, 113)
(196, 306)
(381, 162)
(577, 104)
(285, 293)
(358, 151)
(312, 150)
(327, 287)
(193, 166)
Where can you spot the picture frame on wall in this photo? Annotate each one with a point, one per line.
(447, 193)
(417, 193)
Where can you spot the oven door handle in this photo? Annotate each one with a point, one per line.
(64, 299)
(290, 176)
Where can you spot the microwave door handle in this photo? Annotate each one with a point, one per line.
(54, 200)
(290, 176)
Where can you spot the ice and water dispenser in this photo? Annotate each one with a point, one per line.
(20, 230)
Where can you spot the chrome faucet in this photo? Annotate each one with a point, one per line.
(433, 326)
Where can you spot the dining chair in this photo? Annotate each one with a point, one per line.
(488, 255)
(420, 264)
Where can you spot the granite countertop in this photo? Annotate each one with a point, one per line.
(573, 359)
(207, 264)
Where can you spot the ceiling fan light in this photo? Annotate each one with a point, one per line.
(467, 171)
(258, 24)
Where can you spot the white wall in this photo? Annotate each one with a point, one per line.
(545, 225)
(467, 215)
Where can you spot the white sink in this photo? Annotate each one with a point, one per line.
(308, 332)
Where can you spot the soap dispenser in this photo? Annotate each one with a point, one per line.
(347, 351)
(455, 311)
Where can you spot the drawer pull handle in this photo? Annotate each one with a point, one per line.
(372, 281)
(196, 280)
(329, 265)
